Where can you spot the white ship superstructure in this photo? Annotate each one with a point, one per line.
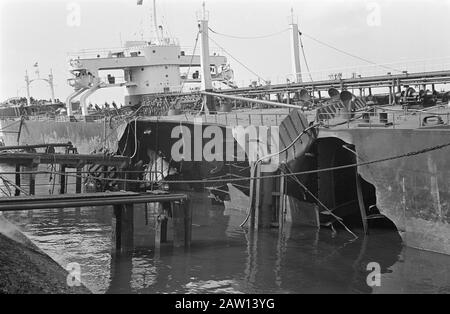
(158, 66)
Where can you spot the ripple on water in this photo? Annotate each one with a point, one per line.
(225, 258)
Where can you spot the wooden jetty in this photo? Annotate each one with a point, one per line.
(123, 216)
(174, 206)
(70, 159)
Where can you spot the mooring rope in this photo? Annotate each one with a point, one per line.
(205, 181)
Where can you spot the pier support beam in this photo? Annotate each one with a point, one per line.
(78, 181)
(266, 211)
(255, 193)
(32, 184)
(261, 215)
(122, 229)
(32, 176)
(390, 95)
(182, 224)
(17, 192)
(161, 225)
(62, 179)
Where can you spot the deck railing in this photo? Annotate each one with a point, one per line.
(386, 118)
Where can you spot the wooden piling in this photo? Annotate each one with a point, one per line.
(32, 177)
(62, 179)
(17, 193)
(78, 180)
(187, 223)
(32, 184)
(254, 218)
(161, 226)
(393, 92)
(122, 229)
(266, 208)
(182, 224)
(390, 94)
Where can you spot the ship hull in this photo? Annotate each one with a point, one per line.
(413, 191)
(86, 137)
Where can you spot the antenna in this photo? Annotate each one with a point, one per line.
(295, 56)
(155, 22)
(204, 10)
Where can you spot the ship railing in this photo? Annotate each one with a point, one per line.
(63, 118)
(385, 118)
(213, 51)
(337, 73)
(237, 118)
(92, 53)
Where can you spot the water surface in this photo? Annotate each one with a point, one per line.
(225, 258)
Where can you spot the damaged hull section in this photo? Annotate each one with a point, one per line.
(412, 191)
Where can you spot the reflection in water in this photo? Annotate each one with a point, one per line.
(225, 258)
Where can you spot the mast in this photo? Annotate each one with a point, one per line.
(295, 49)
(27, 81)
(155, 22)
(52, 88)
(206, 83)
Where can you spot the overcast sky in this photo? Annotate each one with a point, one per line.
(382, 31)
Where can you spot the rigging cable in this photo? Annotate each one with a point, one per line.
(330, 212)
(190, 62)
(254, 73)
(304, 57)
(254, 175)
(349, 54)
(250, 37)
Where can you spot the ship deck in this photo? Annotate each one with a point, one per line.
(394, 118)
(243, 117)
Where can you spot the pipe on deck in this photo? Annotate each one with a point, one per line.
(251, 100)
